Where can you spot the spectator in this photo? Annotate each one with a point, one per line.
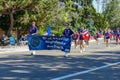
(5, 40)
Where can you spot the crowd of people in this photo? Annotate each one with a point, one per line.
(4, 40)
(83, 35)
(7, 40)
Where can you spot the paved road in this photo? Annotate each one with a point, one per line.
(47, 65)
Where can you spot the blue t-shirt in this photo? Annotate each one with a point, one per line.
(107, 35)
(68, 32)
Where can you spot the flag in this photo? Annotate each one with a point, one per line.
(48, 32)
(86, 35)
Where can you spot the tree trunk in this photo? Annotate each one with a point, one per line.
(11, 24)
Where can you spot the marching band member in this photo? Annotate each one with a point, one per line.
(33, 31)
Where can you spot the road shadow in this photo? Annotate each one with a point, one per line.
(45, 67)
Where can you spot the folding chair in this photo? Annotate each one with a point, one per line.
(12, 40)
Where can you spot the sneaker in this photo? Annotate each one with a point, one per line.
(66, 55)
(33, 53)
(83, 49)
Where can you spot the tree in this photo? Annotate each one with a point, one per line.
(31, 9)
(11, 7)
(112, 13)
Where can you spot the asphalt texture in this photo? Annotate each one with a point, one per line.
(47, 65)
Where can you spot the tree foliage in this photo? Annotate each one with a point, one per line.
(26, 11)
(112, 13)
(56, 13)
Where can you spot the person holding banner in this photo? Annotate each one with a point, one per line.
(67, 33)
(33, 29)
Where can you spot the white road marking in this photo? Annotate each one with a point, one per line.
(84, 72)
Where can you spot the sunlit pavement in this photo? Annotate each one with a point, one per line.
(47, 65)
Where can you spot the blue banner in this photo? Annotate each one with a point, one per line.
(37, 42)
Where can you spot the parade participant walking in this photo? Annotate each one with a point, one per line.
(86, 37)
(117, 36)
(75, 38)
(107, 37)
(81, 39)
(33, 29)
(67, 33)
(97, 36)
